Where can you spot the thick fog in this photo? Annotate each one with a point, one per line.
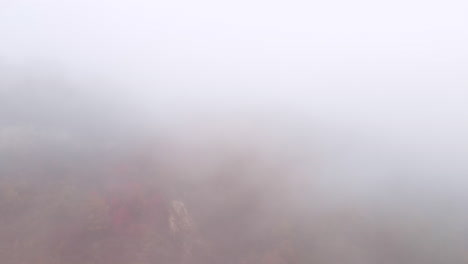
(243, 132)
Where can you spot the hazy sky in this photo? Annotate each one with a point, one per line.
(397, 57)
(395, 70)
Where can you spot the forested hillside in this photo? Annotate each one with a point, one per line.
(81, 183)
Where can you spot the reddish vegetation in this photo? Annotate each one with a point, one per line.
(126, 213)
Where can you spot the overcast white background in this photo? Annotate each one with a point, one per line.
(396, 71)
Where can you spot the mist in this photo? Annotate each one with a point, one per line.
(233, 132)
